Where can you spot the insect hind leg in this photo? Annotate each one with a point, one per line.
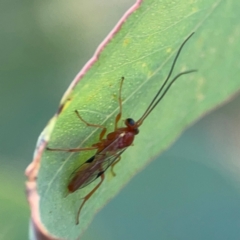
(112, 166)
(88, 196)
(71, 149)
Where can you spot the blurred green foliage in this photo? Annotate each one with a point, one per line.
(190, 192)
(43, 46)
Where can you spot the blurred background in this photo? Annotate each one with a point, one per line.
(190, 192)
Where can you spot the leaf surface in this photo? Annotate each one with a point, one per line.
(142, 50)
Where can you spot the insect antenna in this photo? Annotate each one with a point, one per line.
(155, 101)
(166, 90)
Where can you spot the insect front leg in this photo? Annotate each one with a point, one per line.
(104, 129)
(119, 115)
(88, 196)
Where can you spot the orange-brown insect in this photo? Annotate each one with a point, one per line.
(109, 149)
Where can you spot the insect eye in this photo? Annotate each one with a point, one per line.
(130, 122)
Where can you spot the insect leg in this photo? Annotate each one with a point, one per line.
(104, 129)
(88, 196)
(118, 117)
(71, 149)
(112, 166)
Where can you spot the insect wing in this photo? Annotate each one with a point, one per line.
(95, 166)
(104, 162)
(110, 156)
(88, 170)
(111, 159)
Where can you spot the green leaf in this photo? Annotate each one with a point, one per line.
(142, 51)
